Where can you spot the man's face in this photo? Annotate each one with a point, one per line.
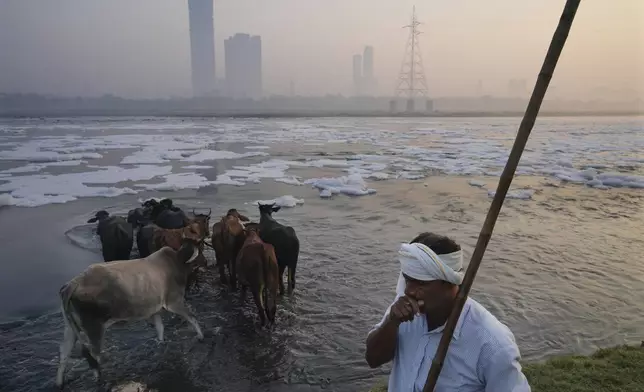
(434, 294)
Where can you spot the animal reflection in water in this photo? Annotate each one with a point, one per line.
(171, 246)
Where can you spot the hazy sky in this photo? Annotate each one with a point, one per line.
(140, 48)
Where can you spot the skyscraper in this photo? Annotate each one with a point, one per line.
(368, 79)
(202, 47)
(243, 66)
(367, 62)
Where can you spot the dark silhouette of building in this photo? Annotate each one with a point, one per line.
(202, 47)
(369, 83)
(243, 66)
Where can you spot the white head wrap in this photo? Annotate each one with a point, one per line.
(418, 261)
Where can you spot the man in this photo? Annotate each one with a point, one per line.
(482, 356)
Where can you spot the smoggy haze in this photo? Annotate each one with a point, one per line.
(141, 48)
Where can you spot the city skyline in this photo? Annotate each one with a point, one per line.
(72, 48)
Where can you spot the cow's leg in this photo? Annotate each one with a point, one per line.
(94, 331)
(259, 301)
(243, 293)
(281, 279)
(291, 278)
(66, 347)
(158, 325)
(268, 306)
(221, 265)
(232, 267)
(180, 308)
(222, 273)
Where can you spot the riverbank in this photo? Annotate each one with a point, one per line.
(616, 369)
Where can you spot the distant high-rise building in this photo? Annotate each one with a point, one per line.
(202, 47)
(369, 83)
(243, 66)
(367, 62)
(357, 74)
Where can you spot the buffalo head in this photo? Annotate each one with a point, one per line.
(99, 216)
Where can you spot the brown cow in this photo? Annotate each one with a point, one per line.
(227, 239)
(175, 237)
(203, 220)
(257, 269)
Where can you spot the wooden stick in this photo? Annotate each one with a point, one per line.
(532, 110)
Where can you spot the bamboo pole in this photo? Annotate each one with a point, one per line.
(543, 80)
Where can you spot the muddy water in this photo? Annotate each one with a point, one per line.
(561, 271)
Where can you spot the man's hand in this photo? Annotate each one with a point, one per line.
(404, 309)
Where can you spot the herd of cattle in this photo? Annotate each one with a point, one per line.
(170, 245)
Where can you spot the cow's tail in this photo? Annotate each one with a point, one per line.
(66, 293)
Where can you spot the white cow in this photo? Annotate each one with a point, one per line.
(121, 291)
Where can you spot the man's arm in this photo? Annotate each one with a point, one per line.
(503, 372)
(383, 340)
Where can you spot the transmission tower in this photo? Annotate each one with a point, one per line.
(411, 80)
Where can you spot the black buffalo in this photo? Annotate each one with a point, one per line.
(285, 242)
(168, 216)
(142, 218)
(116, 234)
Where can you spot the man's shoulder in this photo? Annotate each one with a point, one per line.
(489, 331)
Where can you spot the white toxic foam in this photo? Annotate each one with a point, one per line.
(212, 155)
(177, 181)
(352, 185)
(36, 167)
(35, 190)
(478, 184)
(521, 194)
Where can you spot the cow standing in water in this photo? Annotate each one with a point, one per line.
(163, 214)
(124, 290)
(116, 234)
(285, 242)
(257, 268)
(227, 239)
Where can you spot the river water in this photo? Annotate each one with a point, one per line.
(562, 268)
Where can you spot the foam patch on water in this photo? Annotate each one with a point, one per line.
(178, 181)
(291, 180)
(35, 190)
(521, 194)
(197, 167)
(600, 155)
(351, 185)
(7, 200)
(212, 155)
(36, 167)
(223, 179)
(287, 201)
(478, 184)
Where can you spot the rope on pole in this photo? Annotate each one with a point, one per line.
(543, 80)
